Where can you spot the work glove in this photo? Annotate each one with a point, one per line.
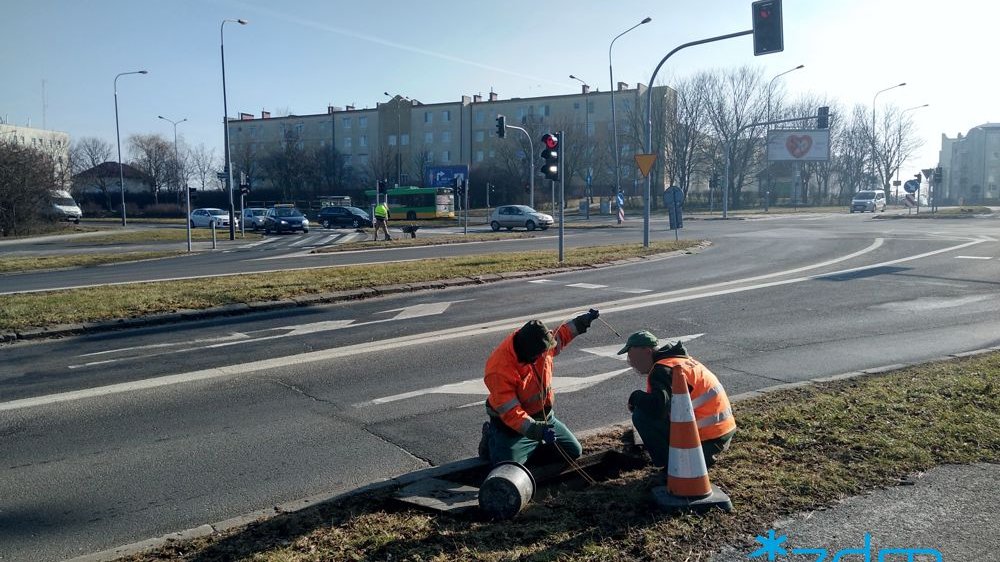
(549, 435)
(582, 322)
(538, 431)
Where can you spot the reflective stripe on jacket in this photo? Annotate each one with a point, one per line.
(521, 393)
(381, 211)
(712, 410)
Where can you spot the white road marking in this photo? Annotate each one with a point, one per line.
(462, 332)
(974, 257)
(477, 386)
(587, 286)
(300, 241)
(541, 281)
(612, 350)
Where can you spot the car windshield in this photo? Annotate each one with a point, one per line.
(865, 195)
(65, 201)
(357, 211)
(216, 212)
(258, 212)
(286, 212)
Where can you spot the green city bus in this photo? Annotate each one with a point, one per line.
(418, 202)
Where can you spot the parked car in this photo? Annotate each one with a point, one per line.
(517, 216)
(868, 201)
(335, 216)
(205, 218)
(285, 218)
(253, 217)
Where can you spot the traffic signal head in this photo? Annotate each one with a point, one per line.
(767, 33)
(501, 126)
(823, 118)
(550, 155)
(381, 186)
(193, 193)
(938, 172)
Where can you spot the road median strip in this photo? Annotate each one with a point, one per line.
(801, 447)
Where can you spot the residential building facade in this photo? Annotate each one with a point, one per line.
(400, 138)
(971, 166)
(55, 143)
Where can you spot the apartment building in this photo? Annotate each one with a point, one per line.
(55, 143)
(398, 139)
(971, 165)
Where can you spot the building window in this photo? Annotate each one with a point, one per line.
(590, 129)
(446, 156)
(446, 137)
(347, 142)
(404, 139)
(363, 122)
(479, 156)
(480, 117)
(446, 115)
(347, 123)
(428, 117)
(347, 159)
(392, 140)
(299, 127)
(576, 105)
(493, 154)
(253, 132)
(363, 141)
(479, 136)
(520, 114)
(429, 157)
(428, 137)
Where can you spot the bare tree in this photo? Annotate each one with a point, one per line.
(685, 154)
(896, 141)
(204, 164)
(381, 163)
(26, 176)
(287, 168)
(87, 154)
(152, 154)
(851, 146)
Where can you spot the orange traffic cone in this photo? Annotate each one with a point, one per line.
(688, 487)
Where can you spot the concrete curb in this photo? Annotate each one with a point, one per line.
(63, 330)
(459, 466)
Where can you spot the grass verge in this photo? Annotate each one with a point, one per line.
(797, 450)
(155, 235)
(434, 240)
(21, 311)
(9, 265)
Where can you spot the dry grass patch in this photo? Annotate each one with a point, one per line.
(9, 265)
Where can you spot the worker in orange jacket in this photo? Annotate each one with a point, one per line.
(519, 378)
(651, 408)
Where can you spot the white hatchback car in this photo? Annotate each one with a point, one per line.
(205, 218)
(518, 216)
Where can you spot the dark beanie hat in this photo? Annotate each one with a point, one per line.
(531, 340)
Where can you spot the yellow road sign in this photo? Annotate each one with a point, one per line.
(645, 163)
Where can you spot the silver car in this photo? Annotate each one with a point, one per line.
(253, 217)
(873, 200)
(518, 216)
(205, 217)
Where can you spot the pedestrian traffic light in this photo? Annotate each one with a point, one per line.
(767, 33)
(501, 126)
(192, 193)
(823, 118)
(380, 187)
(550, 154)
(938, 172)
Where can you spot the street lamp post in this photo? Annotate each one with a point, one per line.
(399, 162)
(225, 126)
(586, 134)
(770, 179)
(874, 150)
(614, 121)
(118, 137)
(187, 192)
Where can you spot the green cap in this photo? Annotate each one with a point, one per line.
(639, 339)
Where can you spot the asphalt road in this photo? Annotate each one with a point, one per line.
(118, 437)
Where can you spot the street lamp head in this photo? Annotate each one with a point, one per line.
(647, 20)
(901, 84)
(800, 66)
(386, 93)
(162, 117)
(143, 72)
(242, 21)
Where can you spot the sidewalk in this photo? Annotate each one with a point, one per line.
(951, 510)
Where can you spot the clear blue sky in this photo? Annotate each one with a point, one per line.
(301, 56)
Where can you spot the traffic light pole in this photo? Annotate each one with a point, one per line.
(649, 121)
(562, 193)
(531, 165)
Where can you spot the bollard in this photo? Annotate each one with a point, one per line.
(212, 224)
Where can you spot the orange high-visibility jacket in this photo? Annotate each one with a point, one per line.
(712, 411)
(520, 393)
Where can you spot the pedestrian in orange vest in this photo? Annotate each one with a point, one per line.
(651, 408)
(518, 376)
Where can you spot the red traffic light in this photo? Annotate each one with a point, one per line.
(550, 141)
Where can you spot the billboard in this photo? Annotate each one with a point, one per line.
(802, 145)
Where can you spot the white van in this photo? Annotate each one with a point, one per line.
(868, 201)
(63, 207)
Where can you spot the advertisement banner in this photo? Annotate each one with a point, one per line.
(802, 145)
